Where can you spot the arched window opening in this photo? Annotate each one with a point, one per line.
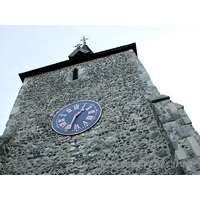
(75, 74)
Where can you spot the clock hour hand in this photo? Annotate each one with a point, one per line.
(70, 125)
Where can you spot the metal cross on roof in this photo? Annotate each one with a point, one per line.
(84, 40)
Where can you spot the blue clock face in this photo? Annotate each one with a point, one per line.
(76, 117)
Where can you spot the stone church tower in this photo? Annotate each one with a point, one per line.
(138, 131)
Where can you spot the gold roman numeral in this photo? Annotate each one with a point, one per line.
(90, 112)
(76, 126)
(85, 123)
(63, 124)
(68, 110)
(63, 115)
(76, 106)
(88, 108)
(61, 120)
(89, 117)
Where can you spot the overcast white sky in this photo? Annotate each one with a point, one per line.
(170, 55)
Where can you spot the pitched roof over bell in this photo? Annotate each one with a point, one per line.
(81, 51)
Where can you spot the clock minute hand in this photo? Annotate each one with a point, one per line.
(70, 125)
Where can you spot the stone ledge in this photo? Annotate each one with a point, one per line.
(180, 154)
(194, 145)
(15, 110)
(155, 99)
(196, 150)
(191, 141)
(144, 76)
(179, 106)
(187, 120)
(172, 107)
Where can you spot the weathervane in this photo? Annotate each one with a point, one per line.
(78, 46)
(84, 40)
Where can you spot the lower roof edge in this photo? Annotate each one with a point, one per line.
(76, 61)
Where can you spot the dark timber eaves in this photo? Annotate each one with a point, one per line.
(78, 60)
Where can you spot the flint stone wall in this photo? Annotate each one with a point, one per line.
(126, 139)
